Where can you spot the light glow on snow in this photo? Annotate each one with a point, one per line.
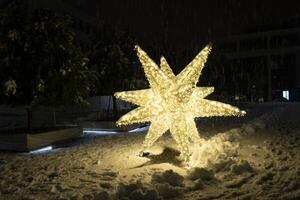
(139, 129)
(99, 132)
(172, 102)
(110, 132)
(42, 150)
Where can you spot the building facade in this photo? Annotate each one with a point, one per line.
(272, 58)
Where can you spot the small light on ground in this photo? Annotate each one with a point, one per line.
(140, 129)
(98, 132)
(92, 131)
(42, 150)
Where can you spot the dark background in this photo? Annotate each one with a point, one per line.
(183, 23)
(256, 50)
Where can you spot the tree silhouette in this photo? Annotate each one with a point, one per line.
(38, 55)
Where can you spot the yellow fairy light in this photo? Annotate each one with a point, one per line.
(172, 102)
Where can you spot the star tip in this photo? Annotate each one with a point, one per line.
(163, 59)
(136, 47)
(209, 45)
(119, 123)
(117, 94)
(242, 113)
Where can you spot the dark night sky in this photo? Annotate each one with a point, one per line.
(180, 22)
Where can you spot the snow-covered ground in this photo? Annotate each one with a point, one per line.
(256, 157)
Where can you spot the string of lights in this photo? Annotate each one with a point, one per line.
(172, 102)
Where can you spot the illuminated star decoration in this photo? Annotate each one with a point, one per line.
(172, 102)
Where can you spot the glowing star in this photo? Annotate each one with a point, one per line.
(172, 102)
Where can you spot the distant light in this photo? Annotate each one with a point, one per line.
(42, 150)
(286, 94)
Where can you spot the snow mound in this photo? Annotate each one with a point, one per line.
(254, 126)
(197, 185)
(102, 196)
(168, 184)
(259, 124)
(124, 190)
(200, 173)
(248, 129)
(240, 167)
(238, 181)
(168, 191)
(169, 177)
(136, 191)
(222, 164)
(215, 150)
